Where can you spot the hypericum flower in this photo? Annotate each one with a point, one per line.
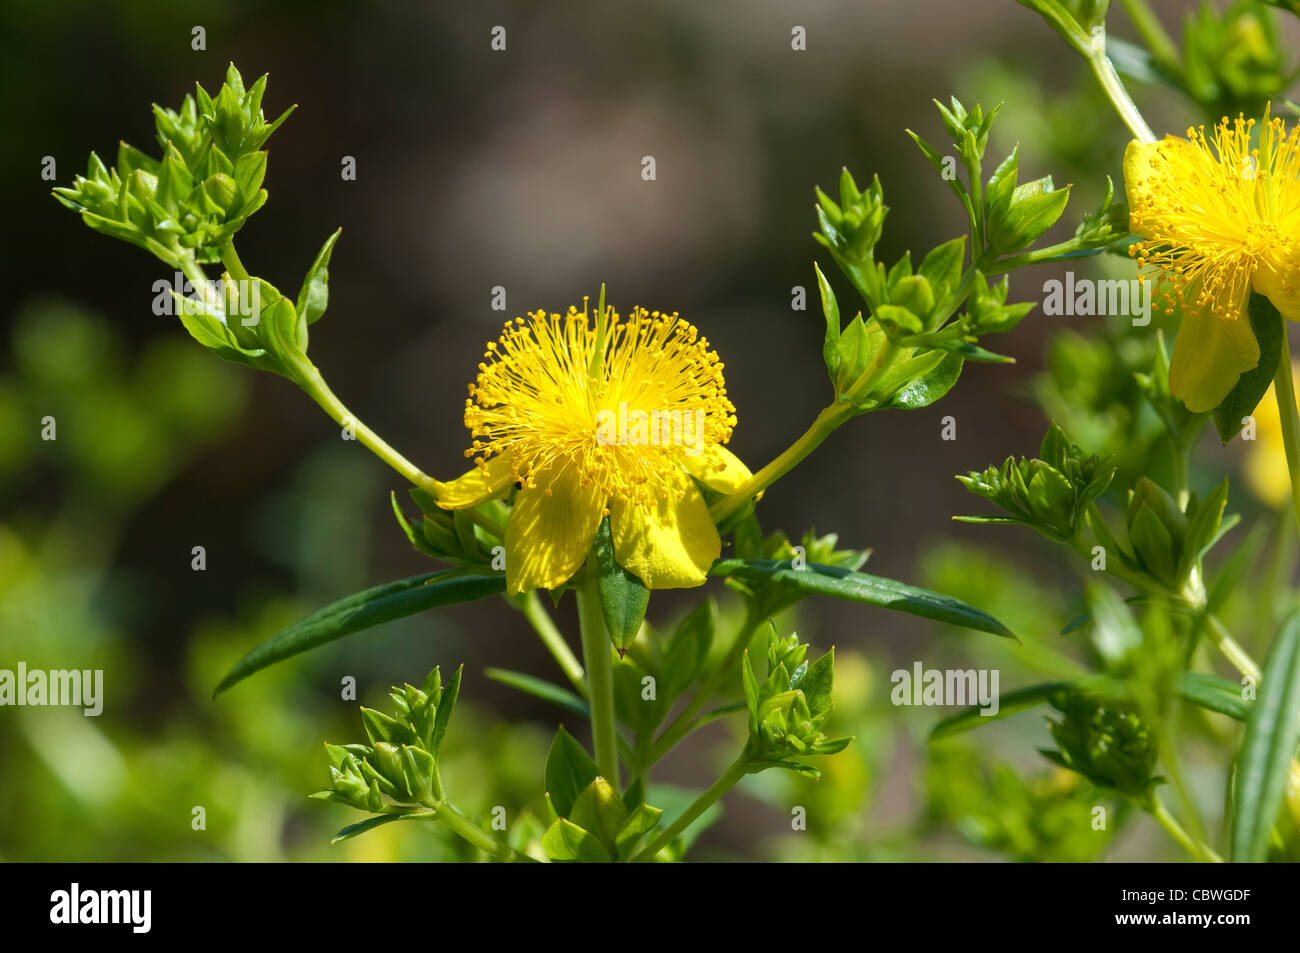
(1218, 219)
(594, 419)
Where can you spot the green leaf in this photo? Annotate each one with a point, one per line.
(1203, 528)
(379, 820)
(861, 587)
(1217, 694)
(1153, 545)
(539, 688)
(315, 292)
(566, 841)
(623, 596)
(1272, 734)
(445, 705)
(640, 822)
(898, 319)
(831, 308)
(913, 293)
(380, 727)
(930, 386)
(997, 197)
(816, 684)
(278, 328)
(942, 268)
(858, 346)
(417, 539)
(364, 610)
(631, 707)
(689, 648)
(1250, 388)
(599, 809)
(1012, 703)
(1035, 207)
(569, 770)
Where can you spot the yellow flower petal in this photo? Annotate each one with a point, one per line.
(717, 468)
(1209, 355)
(669, 543)
(1278, 279)
(476, 486)
(1143, 162)
(550, 531)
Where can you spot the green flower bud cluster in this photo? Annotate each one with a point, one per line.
(186, 207)
(1051, 493)
(207, 183)
(1105, 742)
(788, 710)
(399, 766)
(456, 536)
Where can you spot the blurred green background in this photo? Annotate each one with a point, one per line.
(521, 169)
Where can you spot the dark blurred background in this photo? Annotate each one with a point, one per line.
(474, 168)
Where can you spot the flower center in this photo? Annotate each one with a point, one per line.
(620, 404)
(1211, 209)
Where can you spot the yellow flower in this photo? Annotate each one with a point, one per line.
(1264, 468)
(609, 418)
(1218, 219)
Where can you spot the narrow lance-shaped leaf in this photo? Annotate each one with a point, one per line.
(539, 688)
(315, 292)
(815, 579)
(1272, 734)
(379, 820)
(364, 610)
(1012, 703)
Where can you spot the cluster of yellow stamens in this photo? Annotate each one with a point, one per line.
(619, 403)
(1212, 210)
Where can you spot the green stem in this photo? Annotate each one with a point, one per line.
(1179, 458)
(1153, 34)
(1036, 257)
(1231, 650)
(1169, 755)
(597, 656)
(1284, 390)
(230, 258)
(311, 381)
(1110, 82)
(833, 416)
(827, 421)
(468, 830)
(739, 768)
(542, 623)
(309, 378)
(198, 278)
(1169, 823)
